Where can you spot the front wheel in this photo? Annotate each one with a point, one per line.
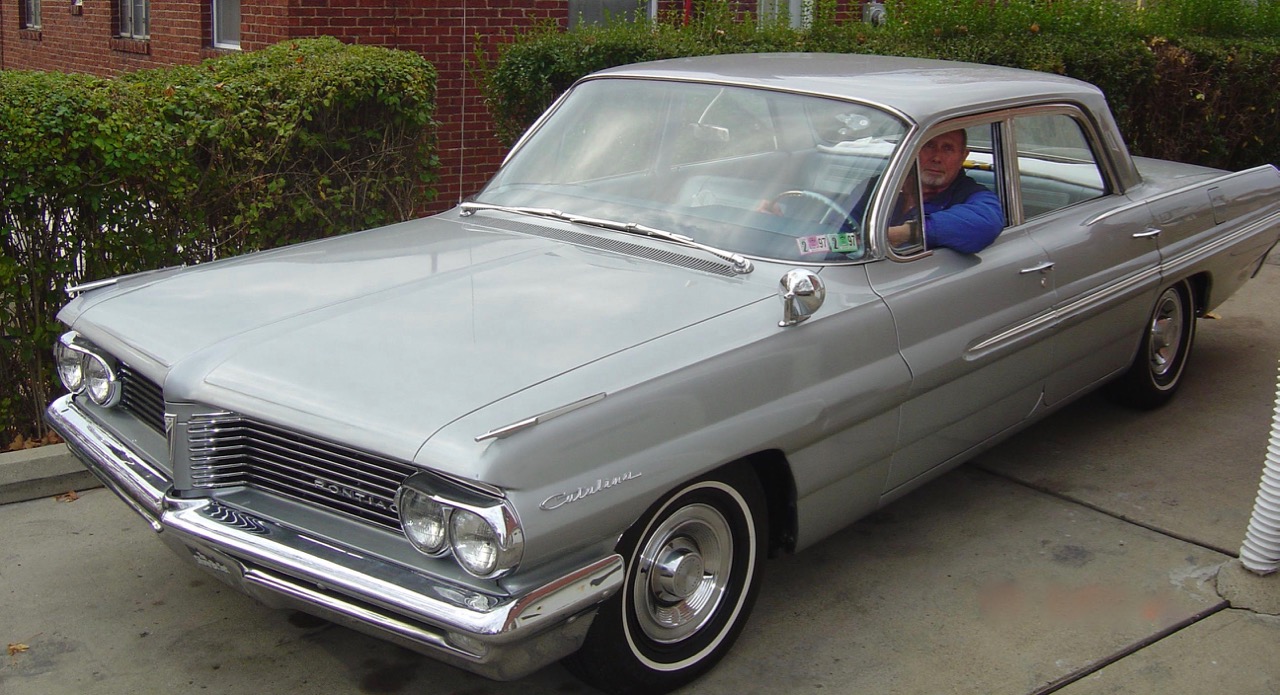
(693, 571)
(1157, 369)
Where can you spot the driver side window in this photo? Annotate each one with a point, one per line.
(952, 197)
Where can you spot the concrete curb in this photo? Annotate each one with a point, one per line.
(42, 472)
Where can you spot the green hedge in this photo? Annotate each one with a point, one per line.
(1189, 80)
(99, 177)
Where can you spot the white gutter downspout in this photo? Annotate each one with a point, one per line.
(1261, 550)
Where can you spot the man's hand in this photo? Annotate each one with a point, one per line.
(769, 207)
(905, 235)
(899, 235)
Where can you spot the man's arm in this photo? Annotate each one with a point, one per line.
(967, 227)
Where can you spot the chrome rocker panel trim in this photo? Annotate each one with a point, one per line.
(501, 637)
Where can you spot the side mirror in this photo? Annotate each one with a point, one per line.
(802, 295)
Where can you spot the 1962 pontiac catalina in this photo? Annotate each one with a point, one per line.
(571, 417)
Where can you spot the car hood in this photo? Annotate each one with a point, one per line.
(381, 338)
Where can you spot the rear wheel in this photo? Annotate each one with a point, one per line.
(693, 571)
(1157, 369)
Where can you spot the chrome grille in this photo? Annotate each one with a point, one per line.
(230, 450)
(142, 397)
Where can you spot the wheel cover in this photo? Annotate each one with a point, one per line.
(683, 572)
(1167, 330)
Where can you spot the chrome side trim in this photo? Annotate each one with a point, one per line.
(1120, 210)
(1088, 303)
(1202, 183)
(1012, 334)
(1063, 313)
(1175, 265)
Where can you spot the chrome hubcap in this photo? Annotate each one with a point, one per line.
(678, 575)
(1166, 333)
(683, 572)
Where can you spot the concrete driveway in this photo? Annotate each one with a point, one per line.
(1083, 556)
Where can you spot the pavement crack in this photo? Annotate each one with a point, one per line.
(1129, 650)
(1235, 554)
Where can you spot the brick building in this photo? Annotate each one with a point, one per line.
(106, 37)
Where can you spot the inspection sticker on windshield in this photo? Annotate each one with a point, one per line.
(827, 243)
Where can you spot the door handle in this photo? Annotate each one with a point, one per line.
(1039, 268)
(1149, 233)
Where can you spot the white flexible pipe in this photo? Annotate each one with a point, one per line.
(1261, 550)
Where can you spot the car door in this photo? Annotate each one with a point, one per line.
(973, 329)
(1105, 260)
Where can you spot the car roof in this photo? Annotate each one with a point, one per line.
(919, 88)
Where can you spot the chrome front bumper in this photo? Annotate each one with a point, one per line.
(501, 637)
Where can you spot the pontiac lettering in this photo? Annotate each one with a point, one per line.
(560, 499)
(358, 496)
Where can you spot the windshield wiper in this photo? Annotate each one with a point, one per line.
(741, 264)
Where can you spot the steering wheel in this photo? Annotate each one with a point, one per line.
(831, 205)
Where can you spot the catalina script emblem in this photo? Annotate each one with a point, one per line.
(560, 499)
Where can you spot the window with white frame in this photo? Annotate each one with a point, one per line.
(798, 13)
(135, 18)
(226, 24)
(588, 12)
(30, 14)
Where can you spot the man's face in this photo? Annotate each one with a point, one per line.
(940, 162)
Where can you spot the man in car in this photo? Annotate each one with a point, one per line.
(959, 213)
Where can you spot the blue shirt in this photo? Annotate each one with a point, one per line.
(966, 217)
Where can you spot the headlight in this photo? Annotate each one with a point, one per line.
(70, 358)
(480, 528)
(474, 541)
(100, 381)
(83, 369)
(424, 520)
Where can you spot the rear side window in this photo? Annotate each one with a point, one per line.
(1056, 166)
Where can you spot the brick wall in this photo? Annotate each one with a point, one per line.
(82, 39)
(446, 32)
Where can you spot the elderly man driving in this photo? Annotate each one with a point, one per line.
(959, 213)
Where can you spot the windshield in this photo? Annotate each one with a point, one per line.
(761, 173)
